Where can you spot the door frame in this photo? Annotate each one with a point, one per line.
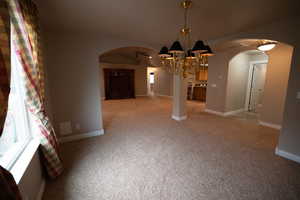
(250, 79)
(107, 84)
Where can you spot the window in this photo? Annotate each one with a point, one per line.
(16, 134)
(151, 80)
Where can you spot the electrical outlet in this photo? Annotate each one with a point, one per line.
(214, 85)
(77, 126)
(65, 128)
(298, 95)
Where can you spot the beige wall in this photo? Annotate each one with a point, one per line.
(32, 180)
(140, 77)
(230, 94)
(164, 85)
(238, 73)
(72, 63)
(72, 66)
(286, 31)
(276, 84)
(238, 79)
(290, 134)
(217, 80)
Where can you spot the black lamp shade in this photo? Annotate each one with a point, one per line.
(176, 47)
(199, 47)
(164, 52)
(208, 51)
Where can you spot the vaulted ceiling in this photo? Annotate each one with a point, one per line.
(158, 21)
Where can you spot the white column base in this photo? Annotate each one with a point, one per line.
(287, 155)
(179, 118)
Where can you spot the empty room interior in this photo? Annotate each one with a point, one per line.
(142, 100)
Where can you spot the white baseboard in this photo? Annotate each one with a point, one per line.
(41, 190)
(224, 114)
(234, 112)
(270, 125)
(138, 95)
(214, 112)
(162, 95)
(81, 136)
(179, 118)
(141, 95)
(287, 155)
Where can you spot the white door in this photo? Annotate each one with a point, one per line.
(257, 86)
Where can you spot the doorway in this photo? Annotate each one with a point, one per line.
(257, 83)
(151, 80)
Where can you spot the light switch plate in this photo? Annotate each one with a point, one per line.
(213, 85)
(298, 95)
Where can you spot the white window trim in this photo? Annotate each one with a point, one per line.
(22, 163)
(13, 154)
(19, 157)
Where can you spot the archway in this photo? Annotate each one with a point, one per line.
(126, 59)
(229, 86)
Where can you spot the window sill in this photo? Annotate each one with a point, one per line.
(24, 160)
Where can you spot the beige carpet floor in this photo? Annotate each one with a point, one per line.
(144, 155)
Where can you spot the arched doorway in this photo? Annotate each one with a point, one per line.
(123, 72)
(230, 80)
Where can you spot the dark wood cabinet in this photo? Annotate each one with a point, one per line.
(202, 75)
(199, 93)
(119, 83)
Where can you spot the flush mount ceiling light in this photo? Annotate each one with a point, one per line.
(184, 60)
(266, 46)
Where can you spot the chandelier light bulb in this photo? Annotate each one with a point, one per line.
(267, 46)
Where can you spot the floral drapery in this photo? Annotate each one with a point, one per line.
(26, 38)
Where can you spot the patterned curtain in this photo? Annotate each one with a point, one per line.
(26, 38)
(8, 186)
(4, 62)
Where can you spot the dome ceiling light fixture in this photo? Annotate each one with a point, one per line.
(184, 60)
(266, 46)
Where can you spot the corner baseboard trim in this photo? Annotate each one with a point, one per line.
(214, 112)
(224, 114)
(179, 118)
(287, 155)
(41, 190)
(270, 125)
(234, 112)
(81, 136)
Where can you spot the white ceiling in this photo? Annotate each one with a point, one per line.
(158, 21)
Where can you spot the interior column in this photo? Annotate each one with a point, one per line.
(179, 98)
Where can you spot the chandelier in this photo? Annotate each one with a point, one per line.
(187, 60)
